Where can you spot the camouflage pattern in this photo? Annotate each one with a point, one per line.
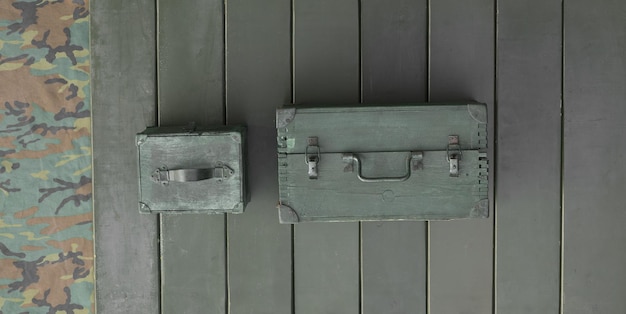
(46, 218)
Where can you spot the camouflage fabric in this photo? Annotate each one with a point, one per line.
(46, 219)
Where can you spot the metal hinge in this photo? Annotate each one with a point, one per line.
(312, 156)
(453, 154)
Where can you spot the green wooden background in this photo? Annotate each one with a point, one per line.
(552, 73)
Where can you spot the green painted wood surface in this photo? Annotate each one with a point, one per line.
(325, 67)
(462, 68)
(594, 77)
(430, 193)
(123, 98)
(394, 51)
(191, 61)
(190, 71)
(528, 215)
(326, 257)
(393, 274)
(175, 148)
(259, 80)
(394, 69)
(340, 196)
(382, 128)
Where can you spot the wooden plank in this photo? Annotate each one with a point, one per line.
(123, 95)
(325, 52)
(191, 61)
(462, 68)
(394, 51)
(394, 267)
(429, 193)
(528, 232)
(202, 150)
(326, 70)
(594, 178)
(406, 127)
(259, 80)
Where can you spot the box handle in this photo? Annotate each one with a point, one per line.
(413, 162)
(164, 176)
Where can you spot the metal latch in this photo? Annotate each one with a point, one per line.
(453, 154)
(312, 156)
(164, 176)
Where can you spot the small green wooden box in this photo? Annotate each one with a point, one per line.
(392, 162)
(189, 170)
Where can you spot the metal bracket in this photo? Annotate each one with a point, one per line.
(164, 176)
(313, 158)
(284, 116)
(286, 214)
(453, 154)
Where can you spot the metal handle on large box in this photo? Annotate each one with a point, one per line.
(413, 162)
(164, 175)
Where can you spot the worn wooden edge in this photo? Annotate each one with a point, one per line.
(286, 113)
(473, 213)
(236, 210)
(237, 132)
(143, 207)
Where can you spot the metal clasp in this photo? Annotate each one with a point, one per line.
(313, 158)
(453, 154)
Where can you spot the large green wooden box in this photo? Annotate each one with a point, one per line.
(191, 170)
(403, 162)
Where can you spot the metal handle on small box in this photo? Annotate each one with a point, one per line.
(413, 162)
(164, 175)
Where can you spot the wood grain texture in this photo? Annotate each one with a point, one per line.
(594, 178)
(394, 267)
(394, 51)
(462, 68)
(325, 52)
(191, 61)
(429, 193)
(191, 88)
(123, 97)
(382, 137)
(202, 150)
(385, 128)
(326, 256)
(258, 81)
(529, 135)
(394, 67)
